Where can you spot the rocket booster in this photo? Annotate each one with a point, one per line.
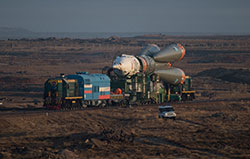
(153, 60)
(171, 75)
(171, 53)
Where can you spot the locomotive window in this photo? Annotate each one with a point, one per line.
(102, 93)
(96, 89)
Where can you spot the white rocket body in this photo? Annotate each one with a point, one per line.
(126, 65)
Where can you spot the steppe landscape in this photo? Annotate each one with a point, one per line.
(215, 125)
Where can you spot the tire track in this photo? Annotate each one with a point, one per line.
(158, 141)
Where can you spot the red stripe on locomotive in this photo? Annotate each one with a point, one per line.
(89, 91)
(104, 96)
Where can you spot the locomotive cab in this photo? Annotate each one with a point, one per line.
(53, 93)
(62, 93)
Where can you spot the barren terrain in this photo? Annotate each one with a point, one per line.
(215, 125)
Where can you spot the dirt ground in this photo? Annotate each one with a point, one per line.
(215, 125)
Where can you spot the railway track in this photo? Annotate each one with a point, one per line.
(35, 111)
(39, 111)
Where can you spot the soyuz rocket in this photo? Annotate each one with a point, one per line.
(153, 60)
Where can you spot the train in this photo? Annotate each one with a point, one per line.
(82, 89)
(132, 80)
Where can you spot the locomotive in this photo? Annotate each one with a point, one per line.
(144, 79)
(77, 91)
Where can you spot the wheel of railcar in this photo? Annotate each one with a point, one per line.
(192, 96)
(109, 102)
(103, 104)
(123, 103)
(184, 97)
(69, 105)
(113, 103)
(64, 105)
(153, 101)
(141, 102)
(127, 102)
(79, 104)
(120, 103)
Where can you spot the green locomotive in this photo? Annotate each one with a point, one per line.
(60, 93)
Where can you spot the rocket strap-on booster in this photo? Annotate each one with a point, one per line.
(153, 60)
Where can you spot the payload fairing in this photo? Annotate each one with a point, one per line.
(153, 60)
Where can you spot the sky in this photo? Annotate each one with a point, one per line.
(204, 16)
